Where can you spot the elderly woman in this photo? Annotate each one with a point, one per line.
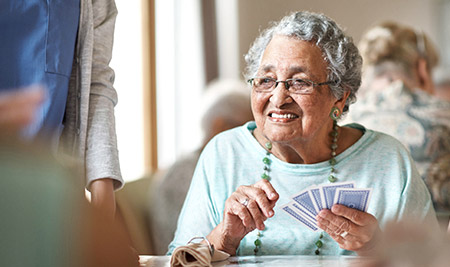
(304, 74)
(397, 98)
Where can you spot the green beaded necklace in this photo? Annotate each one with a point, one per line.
(332, 178)
(264, 176)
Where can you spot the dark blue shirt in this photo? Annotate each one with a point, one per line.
(37, 44)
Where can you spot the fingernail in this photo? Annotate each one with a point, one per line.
(335, 208)
(271, 213)
(273, 195)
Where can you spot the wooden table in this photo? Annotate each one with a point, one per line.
(272, 261)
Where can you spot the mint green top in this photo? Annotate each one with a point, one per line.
(234, 158)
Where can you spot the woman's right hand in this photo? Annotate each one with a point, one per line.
(240, 219)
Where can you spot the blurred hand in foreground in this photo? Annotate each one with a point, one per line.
(408, 244)
(18, 107)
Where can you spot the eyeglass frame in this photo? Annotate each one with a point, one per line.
(286, 84)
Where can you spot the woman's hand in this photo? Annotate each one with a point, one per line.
(352, 229)
(240, 219)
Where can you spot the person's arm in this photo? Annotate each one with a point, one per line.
(204, 213)
(245, 210)
(199, 214)
(102, 163)
(102, 196)
(360, 231)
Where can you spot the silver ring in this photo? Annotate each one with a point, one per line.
(245, 202)
(344, 234)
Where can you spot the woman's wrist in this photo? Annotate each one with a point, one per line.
(102, 196)
(222, 241)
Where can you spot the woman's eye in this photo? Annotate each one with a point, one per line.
(300, 83)
(266, 80)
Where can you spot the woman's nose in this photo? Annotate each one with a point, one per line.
(280, 95)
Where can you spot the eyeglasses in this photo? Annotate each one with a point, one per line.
(296, 86)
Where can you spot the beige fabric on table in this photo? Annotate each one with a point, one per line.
(195, 254)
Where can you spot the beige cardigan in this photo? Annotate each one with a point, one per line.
(89, 126)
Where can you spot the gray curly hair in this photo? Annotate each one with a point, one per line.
(341, 54)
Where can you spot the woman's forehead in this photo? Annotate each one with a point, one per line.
(291, 55)
(291, 68)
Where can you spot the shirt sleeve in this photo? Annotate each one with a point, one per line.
(198, 216)
(415, 194)
(102, 160)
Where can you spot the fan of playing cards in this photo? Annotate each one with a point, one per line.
(306, 204)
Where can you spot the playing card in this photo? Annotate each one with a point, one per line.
(328, 191)
(307, 203)
(302, 212)
(314, 194)
(355, 198)
(304, 199)
(299, 218)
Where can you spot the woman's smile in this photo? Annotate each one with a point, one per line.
(282, 116)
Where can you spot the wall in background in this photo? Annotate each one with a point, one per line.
(180, 77)
(127, 64)
(353, 15)
(442, 9)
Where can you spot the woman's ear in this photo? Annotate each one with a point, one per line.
(340, 103)
(424, 75)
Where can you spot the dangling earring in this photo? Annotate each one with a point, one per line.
(335, 113)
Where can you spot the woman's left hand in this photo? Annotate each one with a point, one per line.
(352, 229)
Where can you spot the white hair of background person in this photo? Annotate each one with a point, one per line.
(393, 51)
(226, 99)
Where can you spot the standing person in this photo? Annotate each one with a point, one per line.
(66, 46)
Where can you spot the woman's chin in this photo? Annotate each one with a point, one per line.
(281, 136)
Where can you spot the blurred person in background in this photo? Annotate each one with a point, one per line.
(397, 97)
(64, 47)
(225, 105)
